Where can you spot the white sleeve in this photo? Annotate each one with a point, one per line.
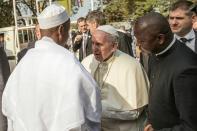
(10, 125)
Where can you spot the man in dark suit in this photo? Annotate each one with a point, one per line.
(82, 39)
(125, 43)
(97, 18)
(172, 73)
(24, 51)
(4, 74)
(30, 44)
(181, 19)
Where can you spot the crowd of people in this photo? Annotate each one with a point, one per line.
(104, 87)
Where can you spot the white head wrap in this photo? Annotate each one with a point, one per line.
(108, 29)
(52, 16)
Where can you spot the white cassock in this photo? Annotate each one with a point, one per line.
(124, 91)
(49, 90)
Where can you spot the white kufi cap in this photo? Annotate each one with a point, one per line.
(52, 16)
(108, 29)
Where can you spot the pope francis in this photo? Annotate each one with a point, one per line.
(122, 80)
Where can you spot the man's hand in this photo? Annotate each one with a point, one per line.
(78, 38)
(148, 128)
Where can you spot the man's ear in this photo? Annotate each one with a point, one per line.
(95, 24)
(161, 38)
(115, 47)
(60, 31)
(194, 18)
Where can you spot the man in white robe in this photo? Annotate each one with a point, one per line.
(49, 90)
(122, 80)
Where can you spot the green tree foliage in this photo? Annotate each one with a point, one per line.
(143, 7)
(6, 14)
(118, 10)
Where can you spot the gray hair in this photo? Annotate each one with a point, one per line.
(113, 38)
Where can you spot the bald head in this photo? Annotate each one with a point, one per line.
(153, 21)
(153, 32)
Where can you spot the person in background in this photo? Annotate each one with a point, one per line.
(49, 90)
(122, 81)
(172, 73)
(30, 44)
(4, 74)
(82, 40)
(181, 19)
(97, 18)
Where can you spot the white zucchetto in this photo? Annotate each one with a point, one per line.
(108, 29)
(52, 16)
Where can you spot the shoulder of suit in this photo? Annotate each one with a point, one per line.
(185, 53)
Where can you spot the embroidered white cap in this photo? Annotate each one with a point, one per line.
(108, 29)
(52, 16)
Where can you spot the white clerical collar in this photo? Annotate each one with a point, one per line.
(167, 48)
(189, 36)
